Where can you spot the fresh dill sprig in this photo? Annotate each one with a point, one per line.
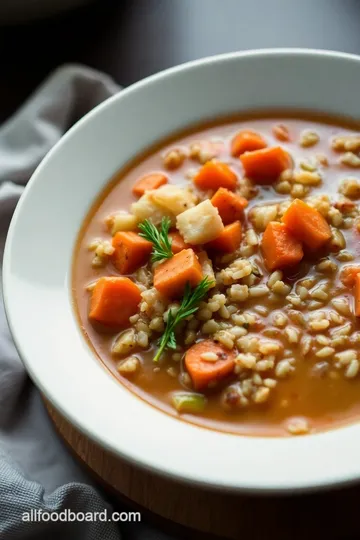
(158, 237)
(189, 305)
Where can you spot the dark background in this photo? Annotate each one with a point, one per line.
(131, 39)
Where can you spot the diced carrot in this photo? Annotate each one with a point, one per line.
(280, 248)
(246, 141)
(215, 174)
(264, 166)
(230, 206)
(131, 251)
(177, 242)
(148, 182)
(307, 224)
(357, 295)
(229, 240)
(171, 276)
(114, 300)
(348, 275)
(204, 371)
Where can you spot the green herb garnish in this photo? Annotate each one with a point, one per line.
(159, 238)
(189, 305)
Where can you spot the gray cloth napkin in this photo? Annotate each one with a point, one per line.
(36, 470)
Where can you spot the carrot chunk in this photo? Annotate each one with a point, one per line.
(114, 300)
(230, 206)
(148, 182)
(229, 240)
(264, 166)
(177, 242)
(307, 224)
(348, 275)
(131, 251)
(171, 276)
(280, 248)
(357, 295)
(246, 141)
(202, 366)
(215, 174)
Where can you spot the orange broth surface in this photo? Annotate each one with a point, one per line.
(325, 401)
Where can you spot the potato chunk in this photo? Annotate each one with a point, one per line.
(200, 224)
(146, 208)
(172, 198)
(121, 221)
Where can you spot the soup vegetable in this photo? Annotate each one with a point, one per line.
(218, 277)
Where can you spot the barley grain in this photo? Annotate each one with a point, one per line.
(309, 138)
(352, 370)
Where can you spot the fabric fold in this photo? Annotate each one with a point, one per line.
(36, 470)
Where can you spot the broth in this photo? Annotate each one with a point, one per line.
(326, 400)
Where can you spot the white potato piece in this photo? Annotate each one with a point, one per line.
(200, 224)
(172, 198)
(145, 208)
(121, 221)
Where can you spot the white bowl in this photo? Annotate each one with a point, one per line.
(39, 249)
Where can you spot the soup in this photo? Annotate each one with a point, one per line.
(218, 276)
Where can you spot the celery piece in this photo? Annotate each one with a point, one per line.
(188, 402)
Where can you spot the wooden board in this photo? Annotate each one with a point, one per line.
(331, 514)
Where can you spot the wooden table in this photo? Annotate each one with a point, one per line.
(131, 39)
(328, 515)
